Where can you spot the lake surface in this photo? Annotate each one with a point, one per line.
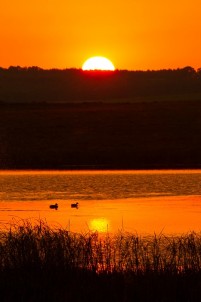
(135, 201)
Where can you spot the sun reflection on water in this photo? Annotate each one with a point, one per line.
(100, 225)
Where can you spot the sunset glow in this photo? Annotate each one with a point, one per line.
(98, 63)
(135, 35)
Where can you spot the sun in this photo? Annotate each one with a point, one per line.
(98, 63)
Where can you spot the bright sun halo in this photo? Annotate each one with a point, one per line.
(98, 63)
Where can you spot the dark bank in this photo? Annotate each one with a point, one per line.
(141, 135)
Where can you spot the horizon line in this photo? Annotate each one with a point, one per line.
(96, 70)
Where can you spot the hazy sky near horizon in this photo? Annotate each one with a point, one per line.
(133, 34)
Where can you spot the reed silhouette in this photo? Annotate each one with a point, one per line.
(39, 263)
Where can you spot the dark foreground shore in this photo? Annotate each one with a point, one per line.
(141, 135)
(38, 264)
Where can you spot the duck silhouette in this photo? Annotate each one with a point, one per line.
(54, 206)
(74, 205)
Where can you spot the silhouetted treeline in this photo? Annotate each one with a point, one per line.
(33, 84)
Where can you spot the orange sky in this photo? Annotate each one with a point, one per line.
(133, 34)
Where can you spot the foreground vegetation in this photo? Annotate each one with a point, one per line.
(39, 263)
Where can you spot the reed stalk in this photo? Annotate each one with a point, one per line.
(38, 245)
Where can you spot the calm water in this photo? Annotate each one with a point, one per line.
(145, 201)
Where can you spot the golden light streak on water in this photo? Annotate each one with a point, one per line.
(101, 225)
(109, 201)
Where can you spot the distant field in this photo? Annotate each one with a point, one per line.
(182, 97)
(139, 135)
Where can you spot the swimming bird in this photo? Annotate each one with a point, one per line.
(74, 205)
(54, 206)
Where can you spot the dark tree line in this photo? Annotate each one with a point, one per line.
(33, 84)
